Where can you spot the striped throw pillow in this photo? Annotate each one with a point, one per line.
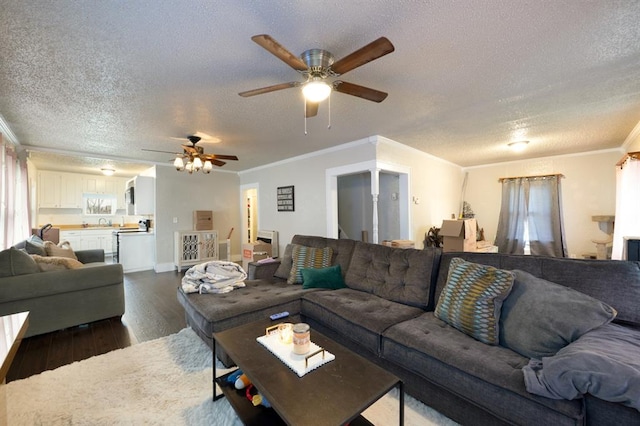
(471, 300)
(307, 257)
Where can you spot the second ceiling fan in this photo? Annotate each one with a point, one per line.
(316, 65)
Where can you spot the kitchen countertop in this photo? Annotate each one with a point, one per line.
(93, 227)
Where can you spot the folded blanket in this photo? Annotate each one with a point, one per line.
(604, 362)
(216, 276)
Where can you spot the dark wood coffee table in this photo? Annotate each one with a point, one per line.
(333, 394)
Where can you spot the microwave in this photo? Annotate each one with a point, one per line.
(129, 197)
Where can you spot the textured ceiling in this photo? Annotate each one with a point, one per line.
(110, 78)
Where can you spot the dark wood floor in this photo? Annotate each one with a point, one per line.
(151, 311)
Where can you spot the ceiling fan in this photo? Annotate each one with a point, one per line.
(193, 158)
(317, 65)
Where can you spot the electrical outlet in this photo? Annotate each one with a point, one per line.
(175, 220)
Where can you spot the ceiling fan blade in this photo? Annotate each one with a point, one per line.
(368, 53)
(156, 150)
(190, 149)
(268, 89)
(359, 91)
(275, 48)
(220, 157)
(311, 109)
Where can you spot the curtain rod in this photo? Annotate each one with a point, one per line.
(560, 175)
(633, 155)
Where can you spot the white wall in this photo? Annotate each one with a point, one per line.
(307, 174)
(588, 189)
(355, 205)
(178, 194)
(435, 183)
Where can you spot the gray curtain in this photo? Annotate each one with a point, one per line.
(533, 204)
(513, 211)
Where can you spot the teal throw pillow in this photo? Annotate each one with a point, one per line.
(330, 278)
(472, 299)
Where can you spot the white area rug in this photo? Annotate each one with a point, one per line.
(165, 381)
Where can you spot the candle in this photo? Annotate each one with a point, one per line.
(286, 332)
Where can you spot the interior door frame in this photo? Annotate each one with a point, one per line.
(243, 208)
(374, 167)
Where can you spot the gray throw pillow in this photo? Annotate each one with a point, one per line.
(16, 262)
(35, 248)
(540, 317)
(285, 263)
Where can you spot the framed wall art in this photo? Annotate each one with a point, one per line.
(286, 201)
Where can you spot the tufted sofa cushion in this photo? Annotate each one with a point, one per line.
(209, 313)
(359, 316)
(399, 275)
(430, 347)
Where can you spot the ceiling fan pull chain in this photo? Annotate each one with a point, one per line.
(329, 104)
(305, 118)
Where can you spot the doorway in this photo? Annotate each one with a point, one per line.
(384, 208)
(250, 212)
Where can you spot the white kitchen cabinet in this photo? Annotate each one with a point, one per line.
(65, 190)
(193, 247)
(70, 191)
(73, 237)
(48, 189)
(89, 239)
(120, 188)
(137, 251)
(143, 195)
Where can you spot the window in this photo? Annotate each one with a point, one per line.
(531, 217)
(98, 204)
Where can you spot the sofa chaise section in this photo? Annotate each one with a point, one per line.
(60, 299)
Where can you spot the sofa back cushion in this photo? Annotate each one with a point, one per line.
(614, 282)
(400, 275)
(16, 262)
(342, 251)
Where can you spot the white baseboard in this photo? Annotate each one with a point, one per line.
(164, 267)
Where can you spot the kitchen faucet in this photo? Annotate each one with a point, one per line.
(100, 221)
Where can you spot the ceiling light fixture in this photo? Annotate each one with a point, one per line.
(192, 163)
(518, 146)
(316, 91)
(107, 171)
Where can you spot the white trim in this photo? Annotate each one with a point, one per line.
(331, 193)
(633, 136)
(312, 154)
(164, 267)
(243, 217)
(7, 133)
(398, 145)
(577, 154)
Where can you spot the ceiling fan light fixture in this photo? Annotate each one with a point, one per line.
(178, 163)
(197, 163)
(108, 171)
(207, 167)
(316, 91)
(518, 146)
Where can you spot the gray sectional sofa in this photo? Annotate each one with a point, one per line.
(386, 314)
(59, 299)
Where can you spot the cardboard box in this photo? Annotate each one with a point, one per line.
(458, 235)
(252, 252)
(202, 220)
(405, 244)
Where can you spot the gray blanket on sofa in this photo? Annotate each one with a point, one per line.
(604, 362)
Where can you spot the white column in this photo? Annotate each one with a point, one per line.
(375, 192)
